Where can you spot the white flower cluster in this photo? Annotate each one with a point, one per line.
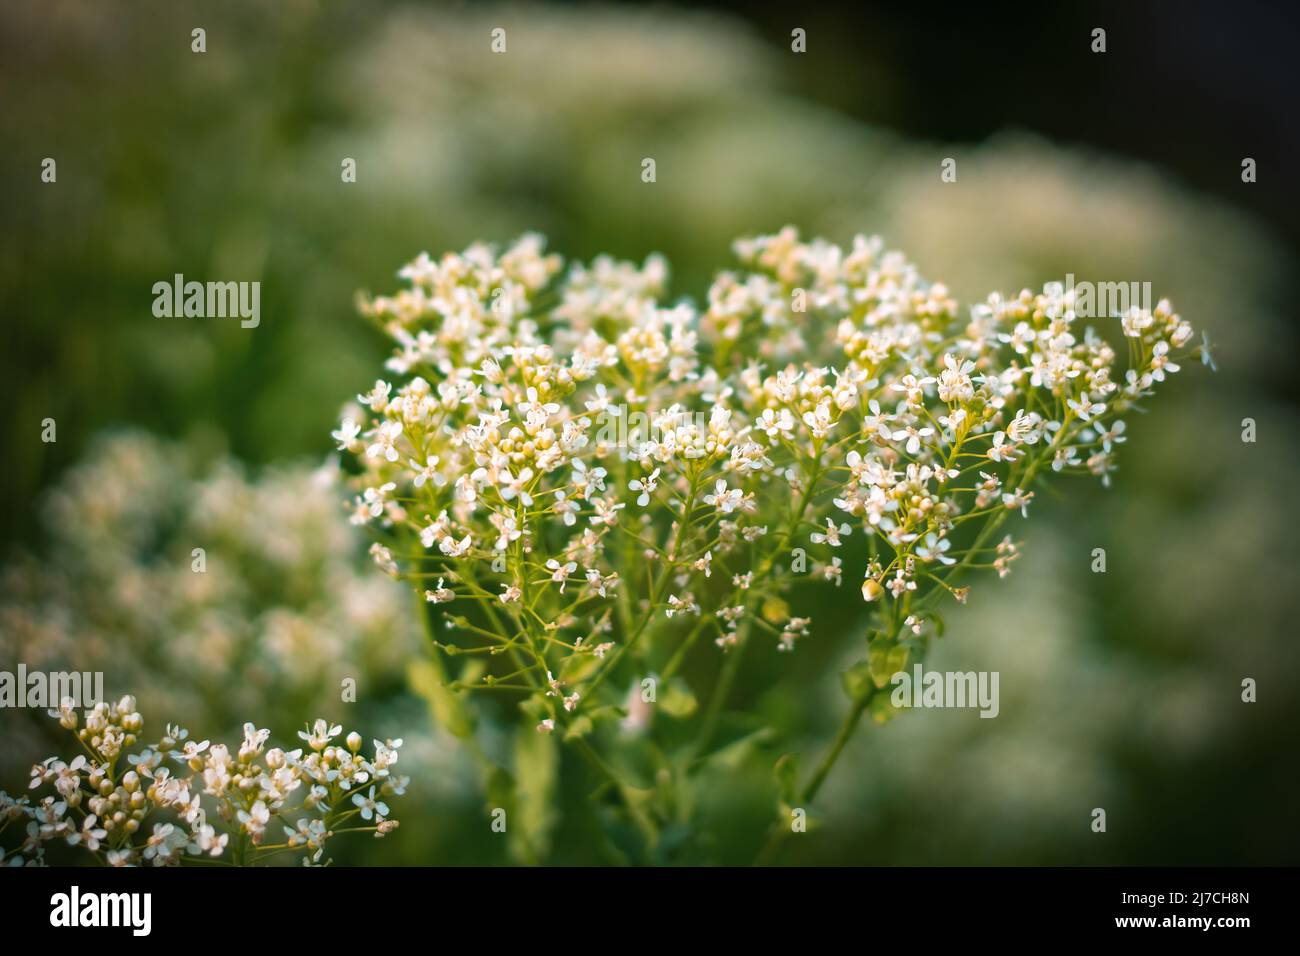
(572, 465)
(275, 609)
(181, 800)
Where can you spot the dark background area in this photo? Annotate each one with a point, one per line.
(1192, 86)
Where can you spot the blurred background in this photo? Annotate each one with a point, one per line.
(1119, 690)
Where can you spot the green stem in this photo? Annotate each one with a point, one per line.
(847, 727)
(780, 829)
(679, 655)
(660, 589)
(727, 676)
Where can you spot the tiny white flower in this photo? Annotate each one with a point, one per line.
(724, 499)
(646, 485)
(385, 443)
(832, 534)
(428, 472)
(370, 807)
(560, 572)
(934, 548)
(346, 435)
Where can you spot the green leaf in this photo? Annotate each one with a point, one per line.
(606, 712)
(732, 756)
(536, 769)
(677, 699)
(885, 659)
(580, 727)
(499, 791)
(857, 681)
(882, 709)
(428, 678)
(578, 668)
(787, 778)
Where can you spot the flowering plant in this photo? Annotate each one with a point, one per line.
(108, 800)
(276, 609)
(589, 483)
